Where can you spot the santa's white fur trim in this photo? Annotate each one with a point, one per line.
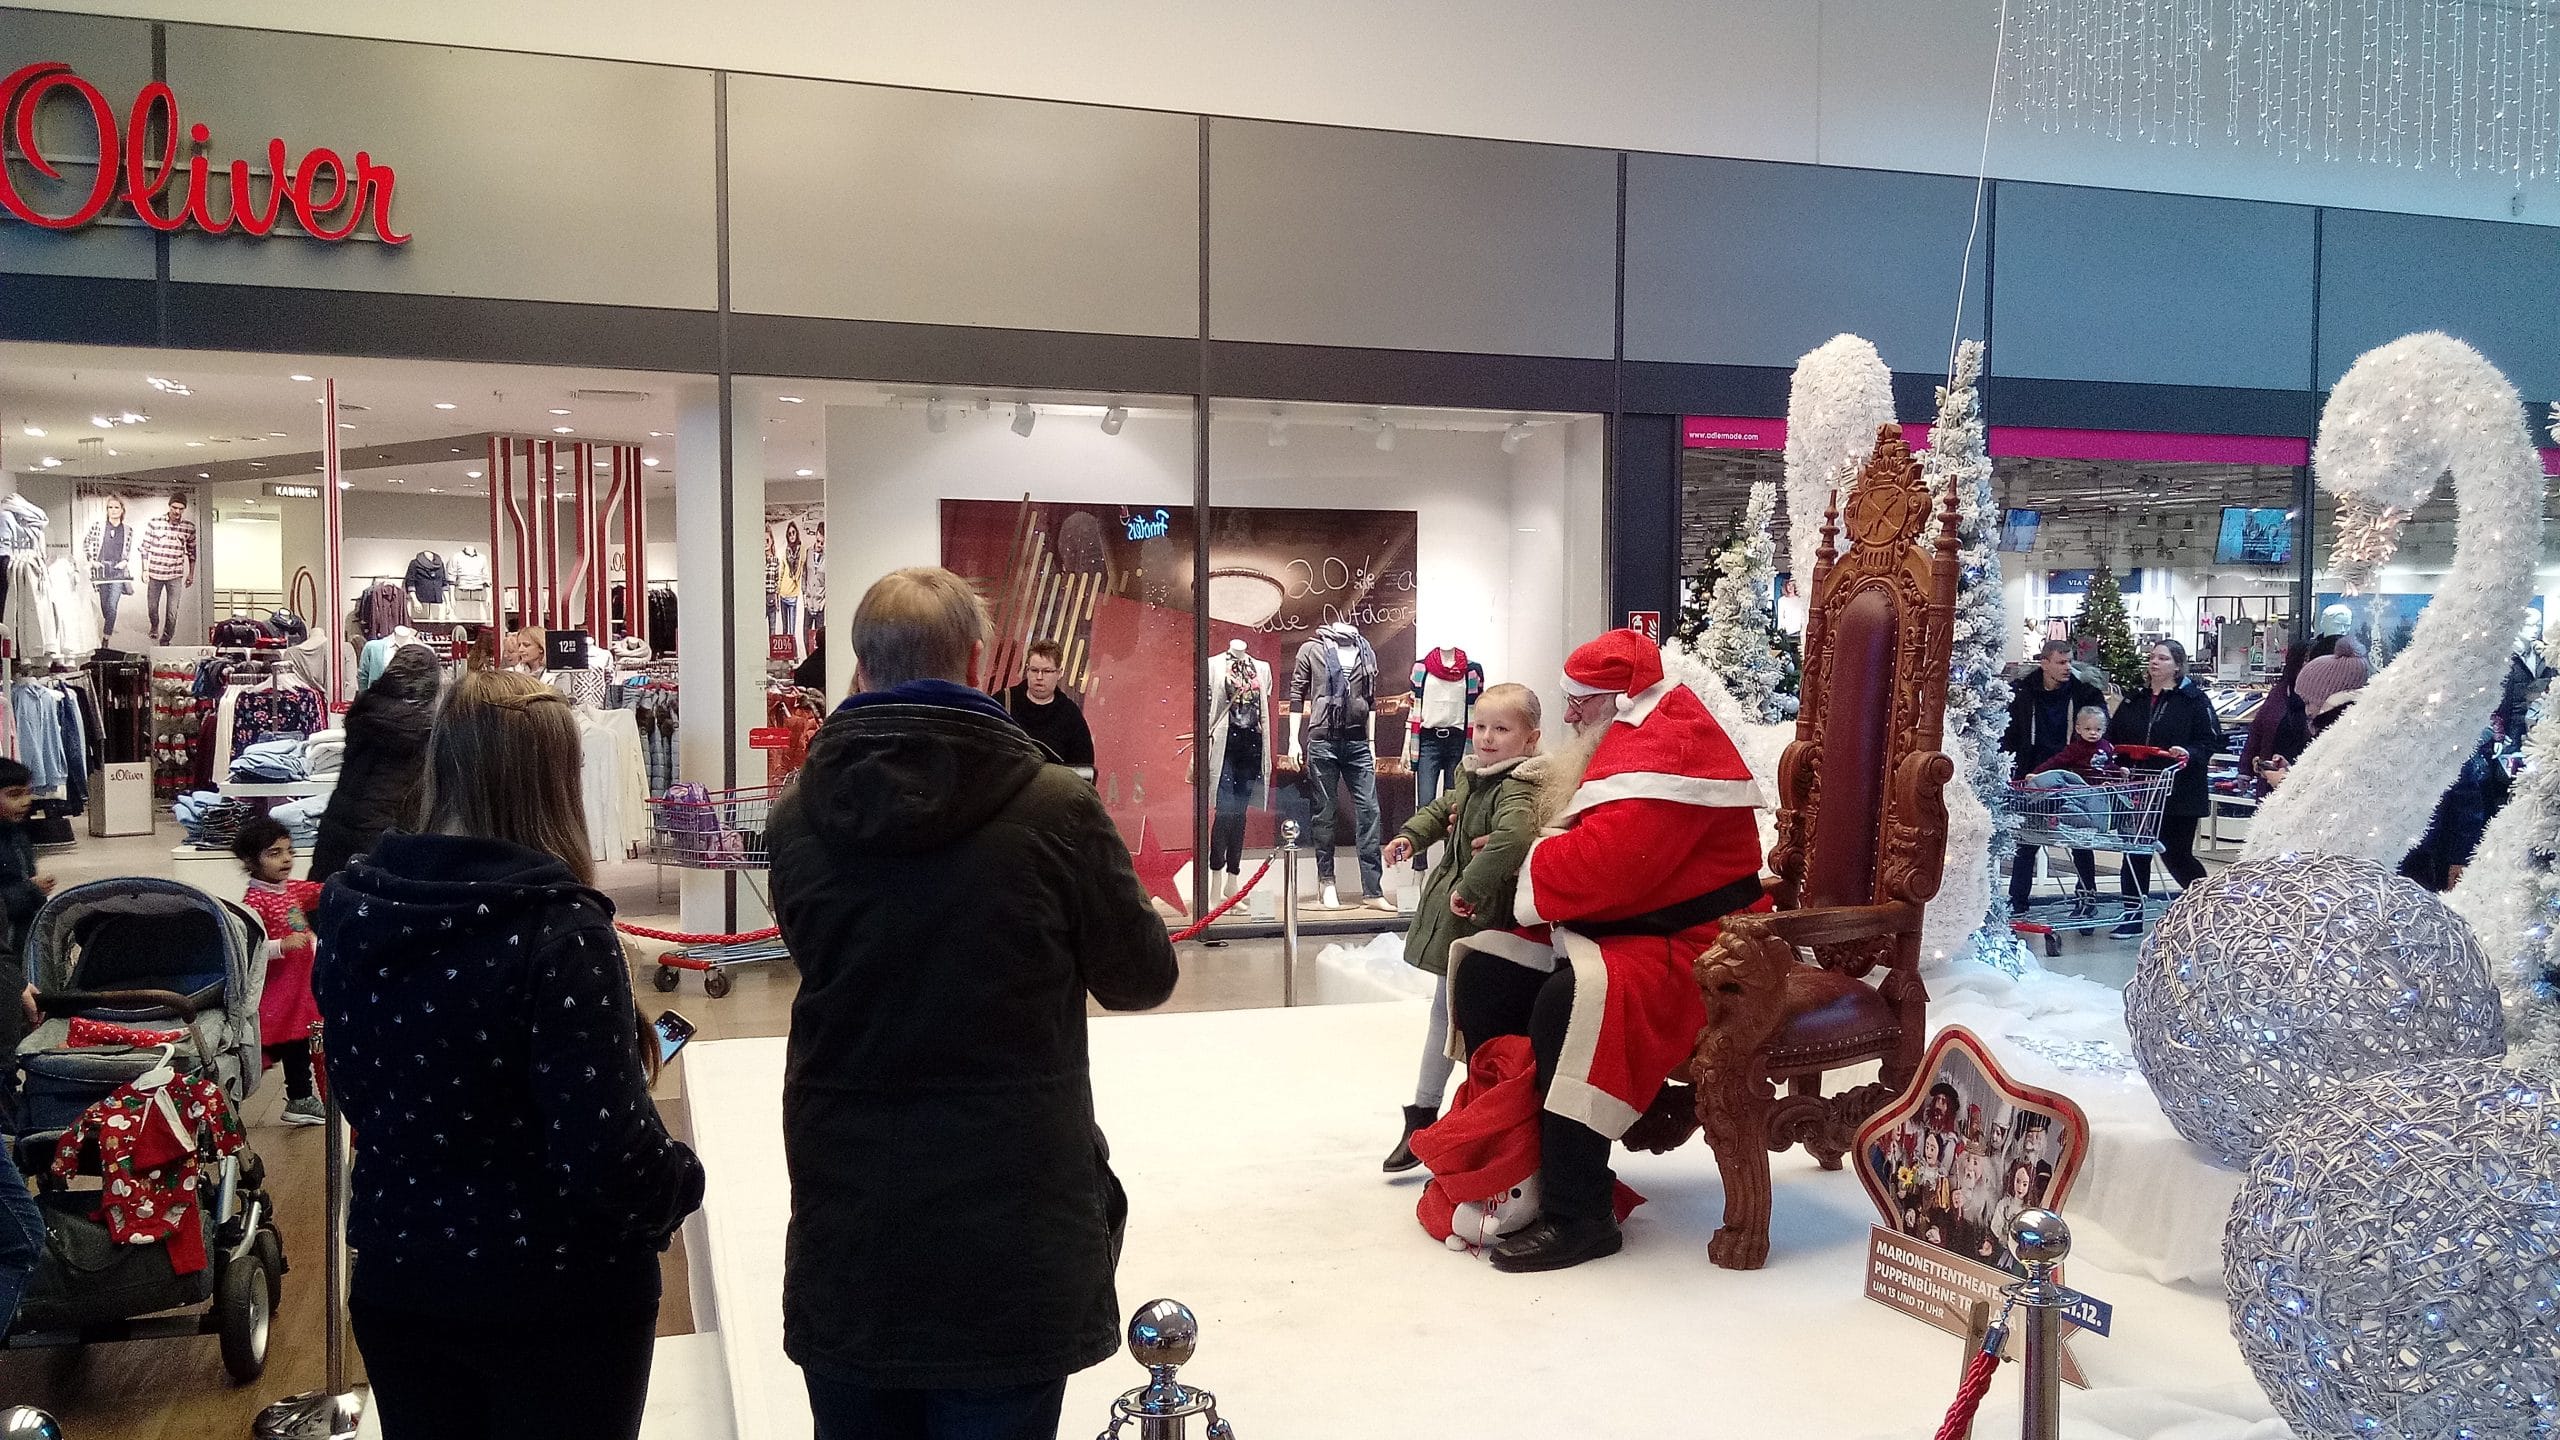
(1657, 785)
(1570, 1094)
(1524, 892)
(1637, 708)
(1505, 945)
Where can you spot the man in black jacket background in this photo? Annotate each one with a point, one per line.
(2041, 712)
(951, 897)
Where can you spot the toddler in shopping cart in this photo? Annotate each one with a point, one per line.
(2091, 759)
(1489, 820)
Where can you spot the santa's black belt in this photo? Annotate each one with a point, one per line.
(1671, 919)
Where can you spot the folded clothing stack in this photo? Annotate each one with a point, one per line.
(301, 819)
(325, 754)
(272, 762)
(208, 818)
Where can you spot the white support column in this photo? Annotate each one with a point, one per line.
(850, 568)
(720, 626)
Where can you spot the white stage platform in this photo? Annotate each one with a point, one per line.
(1249, 1143)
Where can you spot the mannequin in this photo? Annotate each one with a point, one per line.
(1445, 686)
(377, 654)
(1239, 688)
(470, 573)
(1333, 690)
(2527, 674)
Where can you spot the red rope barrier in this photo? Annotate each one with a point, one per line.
(1977, 1381)
(678, 937)
(1223, 906)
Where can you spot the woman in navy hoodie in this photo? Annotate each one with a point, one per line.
(513, 1186)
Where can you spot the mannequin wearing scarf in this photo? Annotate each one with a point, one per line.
(1445, 686)
(1240, 744)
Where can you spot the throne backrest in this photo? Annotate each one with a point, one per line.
(1860, 819)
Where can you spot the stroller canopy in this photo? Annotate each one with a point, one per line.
(141, 933)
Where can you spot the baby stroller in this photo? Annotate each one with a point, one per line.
(153, 955)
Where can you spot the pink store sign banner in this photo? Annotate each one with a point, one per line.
(2151, 447)
(1745, 432)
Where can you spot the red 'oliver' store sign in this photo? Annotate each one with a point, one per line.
(327, 196)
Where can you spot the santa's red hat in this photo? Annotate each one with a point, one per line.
(1622, 662)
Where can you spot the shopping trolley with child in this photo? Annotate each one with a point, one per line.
(2114, 810)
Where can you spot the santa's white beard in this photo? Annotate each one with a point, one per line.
(1564, 771)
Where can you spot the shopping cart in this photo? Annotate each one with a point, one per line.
(2119, 814)
(693, 828)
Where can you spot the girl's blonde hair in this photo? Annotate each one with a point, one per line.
(503, 764)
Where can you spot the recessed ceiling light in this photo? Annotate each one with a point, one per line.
(444, 405)
(303, 378)
(562, 430)
(346, 484)
(435, 489)
(788, 399)
(457, 449)
(319, 467)
(346, 425)
(804, 474)
(204, 474)
(474, 474)
(195, 444)
(275, 435)
(604, 464)
(649, 460)
(32, 432)
(254, 464)
(166, 387)
(559, 412)
(396, 480)
(51, 461)
(114, 451)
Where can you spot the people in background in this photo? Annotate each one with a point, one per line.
(513, 1185)
(2042, 713)
(2323, 677)
(2281, 730)
(2478, 792)
(386, 760)
(286, 1011)
(952, 897)
(1046, 713)
(169, 565)
(110, 549)
(2169, 713)
(23, 890)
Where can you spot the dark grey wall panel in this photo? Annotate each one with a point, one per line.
(2497, 286)
(1740, 262)
(2116, 285)
(1344, 237)
(861, 203)
(520, 176)
(115, 56)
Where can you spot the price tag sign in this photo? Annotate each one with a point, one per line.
(775, 738)
(2088, 1312)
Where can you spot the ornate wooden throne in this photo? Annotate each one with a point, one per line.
(1862, 835)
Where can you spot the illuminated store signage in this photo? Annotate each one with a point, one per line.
(140, 167)
(294, 492)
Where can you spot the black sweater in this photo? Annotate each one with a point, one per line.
(482, 1038)
(1059, 725)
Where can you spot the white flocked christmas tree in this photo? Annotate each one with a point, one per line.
(1740, 639)
(1977, 695)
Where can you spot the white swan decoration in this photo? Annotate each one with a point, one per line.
(2403, 416)
(1840, 392)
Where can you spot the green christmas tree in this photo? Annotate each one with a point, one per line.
(2103, 620)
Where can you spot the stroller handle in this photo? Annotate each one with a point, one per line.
(58, 1002)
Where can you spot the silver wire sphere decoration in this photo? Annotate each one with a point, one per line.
(2394, 1256)
(2282, 975)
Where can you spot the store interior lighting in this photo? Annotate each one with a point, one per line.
(936, 417)
(1024, 417)
(1114, 418)
(1514, 437)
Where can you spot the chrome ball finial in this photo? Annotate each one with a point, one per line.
(1163, 1334)
(1288, 832)
(25, 1422)
(2040, 1237)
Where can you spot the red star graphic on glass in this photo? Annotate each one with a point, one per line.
(1158, 868)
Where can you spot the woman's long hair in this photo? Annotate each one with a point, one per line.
(2296, 655)
(503, 764)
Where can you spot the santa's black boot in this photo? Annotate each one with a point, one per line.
(1578, 1197)
(1403, 1158)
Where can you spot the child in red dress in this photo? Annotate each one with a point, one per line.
(286, 1011)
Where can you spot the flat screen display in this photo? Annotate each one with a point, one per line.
(2254, 537)
(2018, 529)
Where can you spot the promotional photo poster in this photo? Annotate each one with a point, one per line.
(141, 553)
(795, 574)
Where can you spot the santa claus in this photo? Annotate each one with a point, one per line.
(1655, 844)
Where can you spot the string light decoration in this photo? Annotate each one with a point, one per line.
(2461, 86)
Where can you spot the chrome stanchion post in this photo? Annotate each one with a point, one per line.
(1162, 1336)
(2042, 1241)
(1289, 913)
(330, 1413)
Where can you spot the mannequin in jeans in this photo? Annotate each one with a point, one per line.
(1333, 689)
(1445, 687)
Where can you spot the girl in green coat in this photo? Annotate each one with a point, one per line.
(1489, 821)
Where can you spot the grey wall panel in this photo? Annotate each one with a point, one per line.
(2115, 285)
(1342, 237)
(1738, 262)
(520, 176)
(2497, 286)
(855, 202)
(115, 56)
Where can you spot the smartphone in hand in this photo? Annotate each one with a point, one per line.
(673, 1031)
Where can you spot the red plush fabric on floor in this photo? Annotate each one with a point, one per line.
(1488, 1142)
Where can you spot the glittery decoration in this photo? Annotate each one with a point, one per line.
(1840, 392)
(2277, 977)
(2368, 535)
(2079, 1057)
(2394, 1257)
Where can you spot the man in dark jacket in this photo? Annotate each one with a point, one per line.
(951, 897)
(385, 756)
(2041, 713)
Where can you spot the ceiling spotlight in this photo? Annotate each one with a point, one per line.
(444, 404)
(649, 460)
(1114, 418)
(113, 450)
(1024, 417)
(275, 435)
(804, 474)
(303, 378)
(788, 399)
(32, 432)
(474, 474)
(254, 464)
(1512, 438)
(52, 462)
(204, 474)
(604, 465)
(166, 387)
(660, 434)
(1386, 437)
(195, 444)
(1276, 434)
(562, 430)
(346, 425)
(936, 417)
(346, 484)
(559, 412)
(435, 489)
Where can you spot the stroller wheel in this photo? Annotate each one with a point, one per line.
(665, 980)
(269, 1248)
(243, 1307)
(715, 983)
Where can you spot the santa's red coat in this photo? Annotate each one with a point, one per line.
(1663, 815)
